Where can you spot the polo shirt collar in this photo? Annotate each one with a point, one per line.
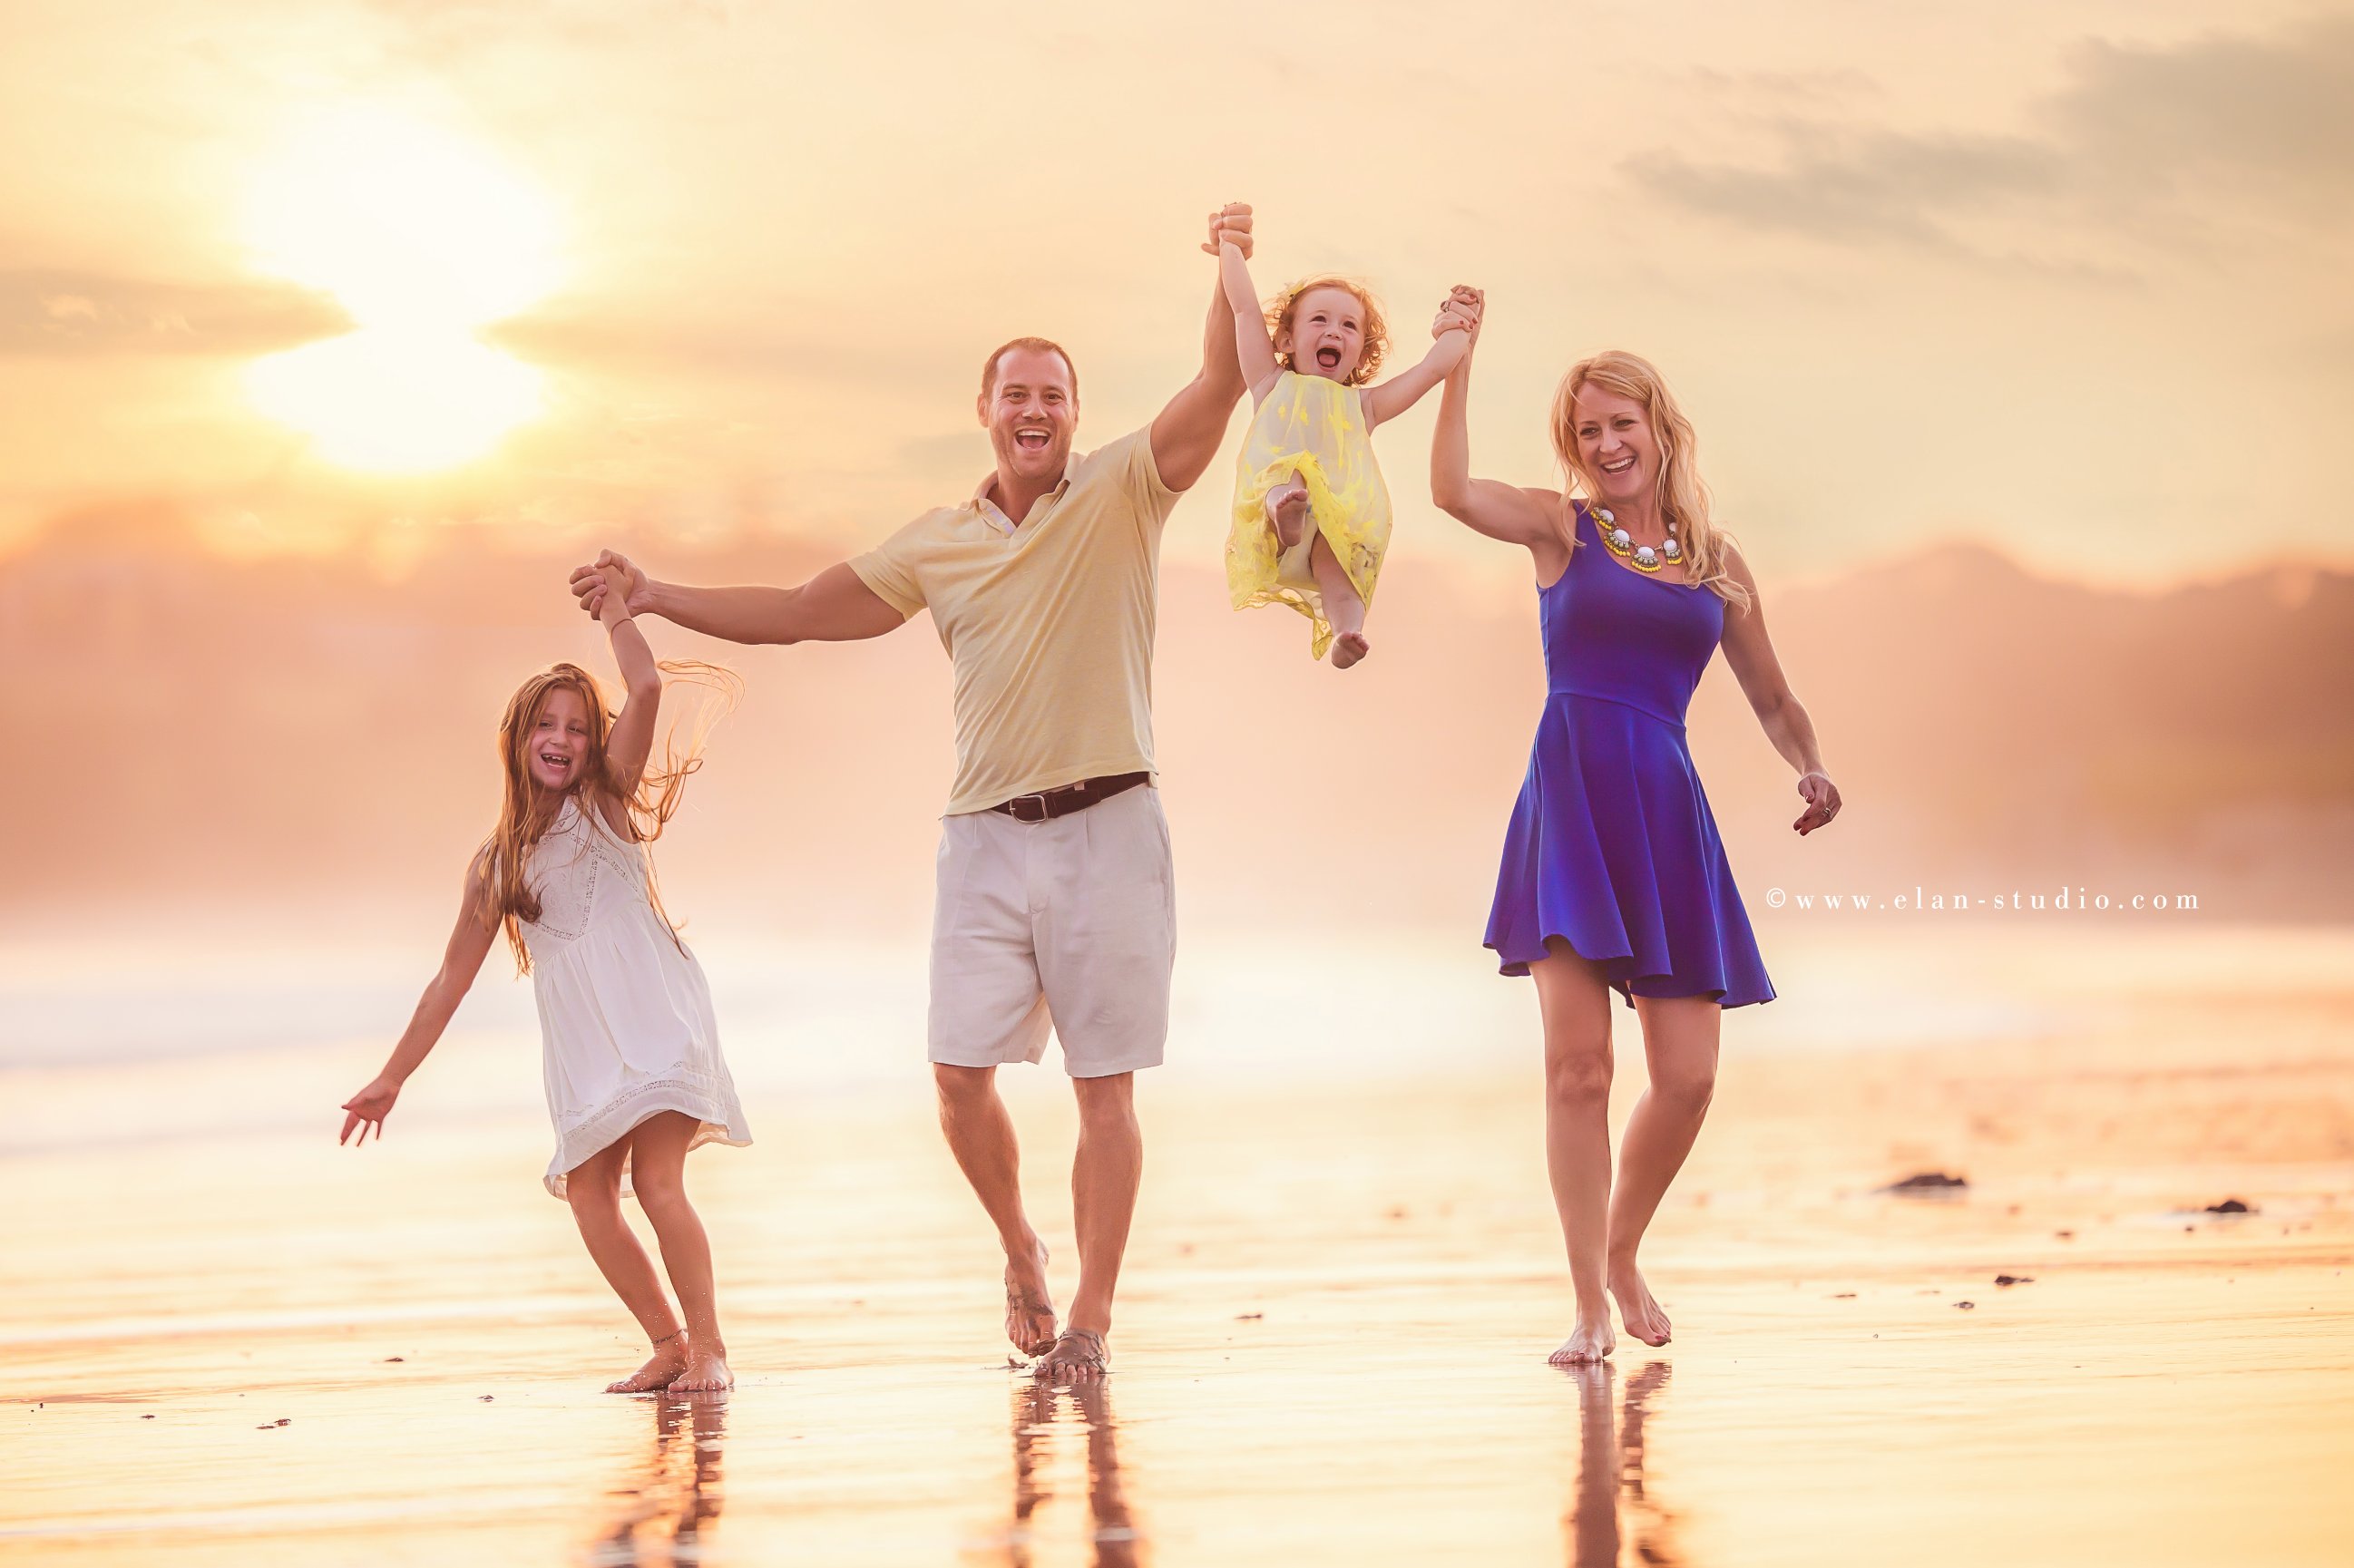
(989, 511)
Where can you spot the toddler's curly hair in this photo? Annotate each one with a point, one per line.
(1280, 311)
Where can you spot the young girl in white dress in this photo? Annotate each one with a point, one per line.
(630, 1051)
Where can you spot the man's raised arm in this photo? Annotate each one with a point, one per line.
(835, 606)
(1185, 436)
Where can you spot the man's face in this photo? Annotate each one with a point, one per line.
(1031, 414)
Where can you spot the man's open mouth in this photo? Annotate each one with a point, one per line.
(1032, 441)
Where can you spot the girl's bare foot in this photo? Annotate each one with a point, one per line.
(706, 1372)
(1637, 1306)
(1289, 507)
(1348, 648)
(1589, 1342)
(668, 1361)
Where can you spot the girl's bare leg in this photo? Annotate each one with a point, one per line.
(1680, 1036)
(1575, 1002)
(1342, 608)
(594, 1190)
(658, 1171)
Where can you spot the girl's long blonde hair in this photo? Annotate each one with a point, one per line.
(524, 817)
(1683, 496)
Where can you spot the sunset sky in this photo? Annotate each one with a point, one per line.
(2067, 277)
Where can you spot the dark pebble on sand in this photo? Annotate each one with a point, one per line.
(1248, 1317)
(1844, 1296)
(2014, 1279)
(1966, 1306)
(389, 1359)
(2230, 1206)
(1926, 1182)
(488, 1397)
(146, 1418)
(2065, 1235)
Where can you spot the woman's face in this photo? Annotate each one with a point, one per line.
(1615, 446)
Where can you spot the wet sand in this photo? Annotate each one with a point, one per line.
(1332, 1335)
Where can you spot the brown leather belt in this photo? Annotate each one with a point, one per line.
(1050, 803)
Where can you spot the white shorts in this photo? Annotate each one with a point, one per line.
(1069, 924)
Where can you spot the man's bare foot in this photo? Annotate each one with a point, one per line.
(1348, 648)
(706, 1372)
(1589, 1342)
(668, 1361)
(1029, 1310)
(1636, 1308)
(1076, 1357)
(1289, 507)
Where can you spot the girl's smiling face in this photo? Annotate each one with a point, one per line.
(556, 749)
(1326, 335)
(1615, 446)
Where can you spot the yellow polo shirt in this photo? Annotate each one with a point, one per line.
(1049, 624)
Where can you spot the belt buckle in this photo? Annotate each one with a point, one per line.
(1014, 806)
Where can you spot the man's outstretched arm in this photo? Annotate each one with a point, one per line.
(835, 606)
(1185, 436)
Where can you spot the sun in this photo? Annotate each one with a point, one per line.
(425, 238)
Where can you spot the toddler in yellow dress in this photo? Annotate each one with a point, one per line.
(1311, 515)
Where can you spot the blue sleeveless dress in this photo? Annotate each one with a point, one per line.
(1612, 846)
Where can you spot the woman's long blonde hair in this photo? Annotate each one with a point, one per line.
(1683, 496)
(524, 817)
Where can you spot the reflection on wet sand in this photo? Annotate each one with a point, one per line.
(1612, 1504)
(1039, 1421)
(659, 1512)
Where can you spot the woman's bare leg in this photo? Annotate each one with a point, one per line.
(658, 1173)
(1576, 1002)
(1680, 1038)
(593, 1188)
(1342, 608)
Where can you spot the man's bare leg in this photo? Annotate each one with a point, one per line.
(1342, 608)
(1680, 1038)
(1104, 1175)
(980, 1135)
(1576, 1001)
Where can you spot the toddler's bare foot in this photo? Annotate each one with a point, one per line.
(668, 1361)
(1289, 507)
(1348, 648)
(1589, 1342)
(1636, 1308)
(706, 1371)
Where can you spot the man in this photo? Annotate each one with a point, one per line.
(1054, 902)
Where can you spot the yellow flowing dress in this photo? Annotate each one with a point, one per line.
(1314, 426)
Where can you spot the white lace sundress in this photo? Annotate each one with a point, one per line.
(625, 1022)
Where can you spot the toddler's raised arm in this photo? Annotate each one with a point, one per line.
(1252, 344)
(1404, 390)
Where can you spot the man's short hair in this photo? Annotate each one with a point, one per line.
(1035, 345)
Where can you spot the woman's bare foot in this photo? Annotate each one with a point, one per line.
(1029, 1310)
(668, 1361)
(1588, 1343)
(706, 1371)
(1637, 1306)
(1289, 507)
(1348, 648)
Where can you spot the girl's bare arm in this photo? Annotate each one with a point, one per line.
(1404, 390)
(632, 737)
(461, 961)
(1252, 345)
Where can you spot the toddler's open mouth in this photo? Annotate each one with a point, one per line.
(1328, 358)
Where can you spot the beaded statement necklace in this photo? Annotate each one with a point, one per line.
(1622, 543)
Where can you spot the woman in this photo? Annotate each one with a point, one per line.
(1613, 874)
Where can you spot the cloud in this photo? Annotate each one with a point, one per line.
(84, 314)
(2138, 140)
